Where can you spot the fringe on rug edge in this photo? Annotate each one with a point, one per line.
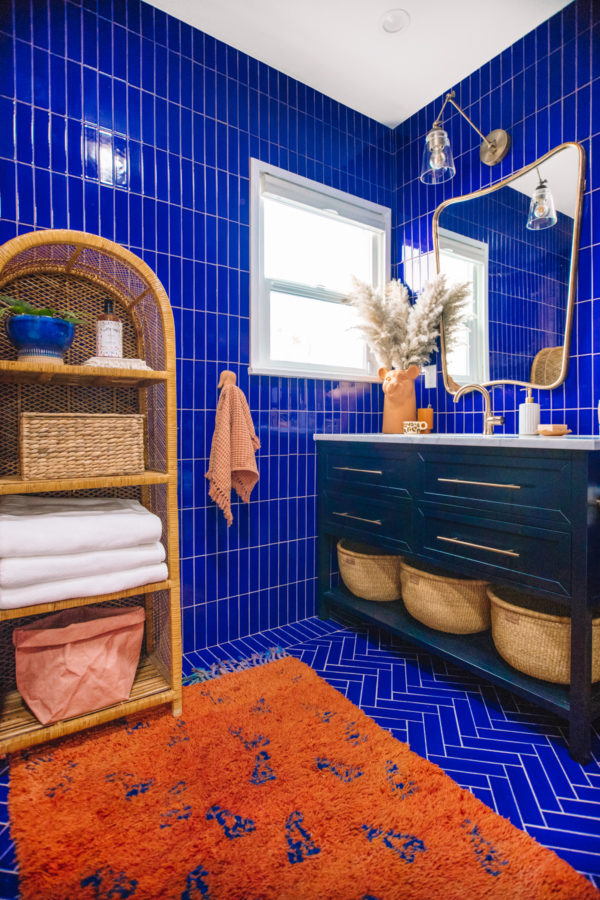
(198, 676)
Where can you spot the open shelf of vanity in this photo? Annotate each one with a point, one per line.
(74, 264)
(512, 511)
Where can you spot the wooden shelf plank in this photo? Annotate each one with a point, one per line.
(19, 728)
(22, 611)
(475, 652)
(15, 372)
(14, 484)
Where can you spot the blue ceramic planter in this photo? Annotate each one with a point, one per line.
(41, 337)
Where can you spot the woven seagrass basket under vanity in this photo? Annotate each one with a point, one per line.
(369, 573)
(70, 445)
(534, 636)
(440, 601)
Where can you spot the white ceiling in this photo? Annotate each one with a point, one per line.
(338, 46)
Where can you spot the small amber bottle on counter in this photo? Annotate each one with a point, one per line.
(426, 415)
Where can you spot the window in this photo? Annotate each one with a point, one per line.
(307, 242)
(465, 259)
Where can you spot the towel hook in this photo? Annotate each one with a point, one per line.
(226, 377)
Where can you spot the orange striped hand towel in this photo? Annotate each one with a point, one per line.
(232, 460)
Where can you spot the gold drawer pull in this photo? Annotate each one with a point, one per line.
(365, 471)
(478, 546)
(511, 487)
(346, 515)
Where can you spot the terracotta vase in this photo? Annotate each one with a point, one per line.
(399, 399)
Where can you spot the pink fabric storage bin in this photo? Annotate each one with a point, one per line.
(79, 660)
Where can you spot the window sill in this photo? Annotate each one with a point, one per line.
(321, 375)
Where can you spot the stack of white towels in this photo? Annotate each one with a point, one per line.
(55, 548)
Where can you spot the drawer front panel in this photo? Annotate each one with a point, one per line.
(522, 488)
(361, 517)
(358, 469)
(520, 554)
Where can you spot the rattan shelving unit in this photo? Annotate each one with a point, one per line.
(78, 271)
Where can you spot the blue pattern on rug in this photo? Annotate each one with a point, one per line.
(406, 846)
(233, 826)
(299, 840)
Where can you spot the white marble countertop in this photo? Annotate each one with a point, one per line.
(528, 442)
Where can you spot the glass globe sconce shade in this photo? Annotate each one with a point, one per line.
(542, 212)
(438, 163)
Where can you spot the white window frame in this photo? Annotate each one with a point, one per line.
(476, 252)
(301, 191)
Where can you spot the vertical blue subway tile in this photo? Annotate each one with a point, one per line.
(133, 58)
(60, 215)
(147, 65)
(57, 28)
(75, 203)
(24, 194)
(23, 71)
(106, 45)
(119, 10)
(160, 123)
(58, 144)
(160, 70)
(7, 59)
(43, 211)
(119, 107)
(90, 40)
(74, 26)
(7, 133)
(105, 100)
(90, 96)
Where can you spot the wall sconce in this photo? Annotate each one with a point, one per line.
(438, 164)
(542, 212)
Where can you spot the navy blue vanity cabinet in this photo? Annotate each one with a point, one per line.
(521, 517)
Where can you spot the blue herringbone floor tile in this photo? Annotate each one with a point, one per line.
(510, 753)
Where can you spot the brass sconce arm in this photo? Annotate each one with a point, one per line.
(494, 147)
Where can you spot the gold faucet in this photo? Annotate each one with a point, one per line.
(489, 420)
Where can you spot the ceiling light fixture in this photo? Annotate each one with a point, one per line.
(542, 212)
(438, 164)
(395, 20)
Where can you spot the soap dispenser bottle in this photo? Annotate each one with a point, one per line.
(109, 333)
(529, 415)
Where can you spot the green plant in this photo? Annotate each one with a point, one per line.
(22, 308)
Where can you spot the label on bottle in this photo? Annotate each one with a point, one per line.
(109, 338)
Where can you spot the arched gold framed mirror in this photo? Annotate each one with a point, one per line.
(517, 242)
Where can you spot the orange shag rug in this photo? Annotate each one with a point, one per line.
(272, 786)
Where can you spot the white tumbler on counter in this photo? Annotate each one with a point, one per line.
(529, 415)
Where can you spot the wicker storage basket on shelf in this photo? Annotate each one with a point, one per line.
(440, 601)
(533, 635)
(69, 445)
(369, 573)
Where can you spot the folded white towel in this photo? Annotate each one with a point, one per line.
(91, 586)
(56, 526)
(18, 571)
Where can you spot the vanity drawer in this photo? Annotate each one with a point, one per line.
(506, 551)
(360, 517)
(353, 469)
(523, 487)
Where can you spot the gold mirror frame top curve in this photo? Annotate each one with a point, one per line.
(572, 273)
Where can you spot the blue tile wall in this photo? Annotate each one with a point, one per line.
(120, 120)
(544, 89)
(123, 121)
